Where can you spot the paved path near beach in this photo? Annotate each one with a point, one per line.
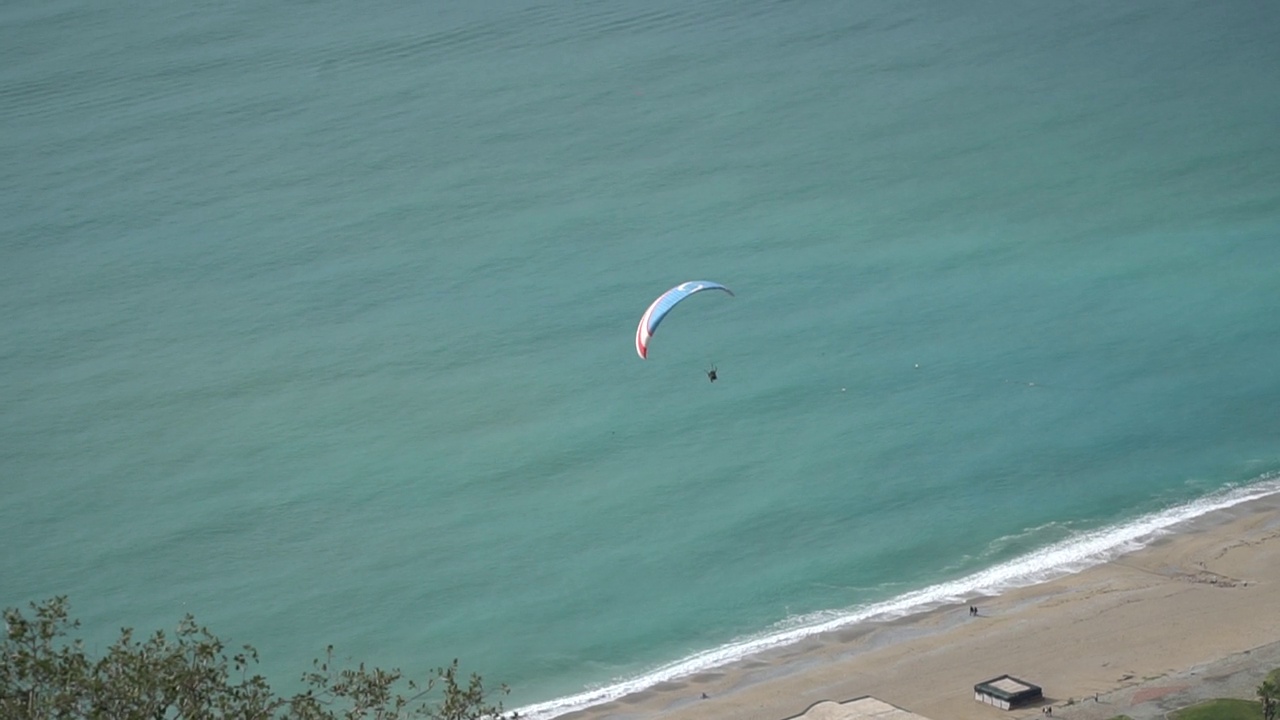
(1237, 676)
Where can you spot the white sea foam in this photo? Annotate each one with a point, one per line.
(1065, 557)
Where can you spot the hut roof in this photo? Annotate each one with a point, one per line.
(1008, 687)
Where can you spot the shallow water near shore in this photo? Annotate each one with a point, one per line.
(318, 324)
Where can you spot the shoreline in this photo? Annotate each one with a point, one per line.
(1199, 594)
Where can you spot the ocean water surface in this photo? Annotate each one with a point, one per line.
(316, 321)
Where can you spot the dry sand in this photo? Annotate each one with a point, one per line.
(1195, 614)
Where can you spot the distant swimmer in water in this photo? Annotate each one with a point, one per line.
(711, 374)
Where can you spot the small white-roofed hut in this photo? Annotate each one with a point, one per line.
(1007, 692)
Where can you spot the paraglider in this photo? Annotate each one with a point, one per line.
(663, 305)
(711, 374)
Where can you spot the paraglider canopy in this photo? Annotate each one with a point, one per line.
(663, 305)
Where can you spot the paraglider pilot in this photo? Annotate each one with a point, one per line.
(711, 374)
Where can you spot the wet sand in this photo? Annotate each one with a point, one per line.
(1193, 614)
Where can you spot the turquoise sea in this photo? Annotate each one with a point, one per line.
(317, 318)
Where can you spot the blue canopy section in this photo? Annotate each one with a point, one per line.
(666, 301)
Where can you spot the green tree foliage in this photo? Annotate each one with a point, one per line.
(1269, 694)
(45, 675)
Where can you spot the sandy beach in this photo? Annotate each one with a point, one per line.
(1194, 614)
